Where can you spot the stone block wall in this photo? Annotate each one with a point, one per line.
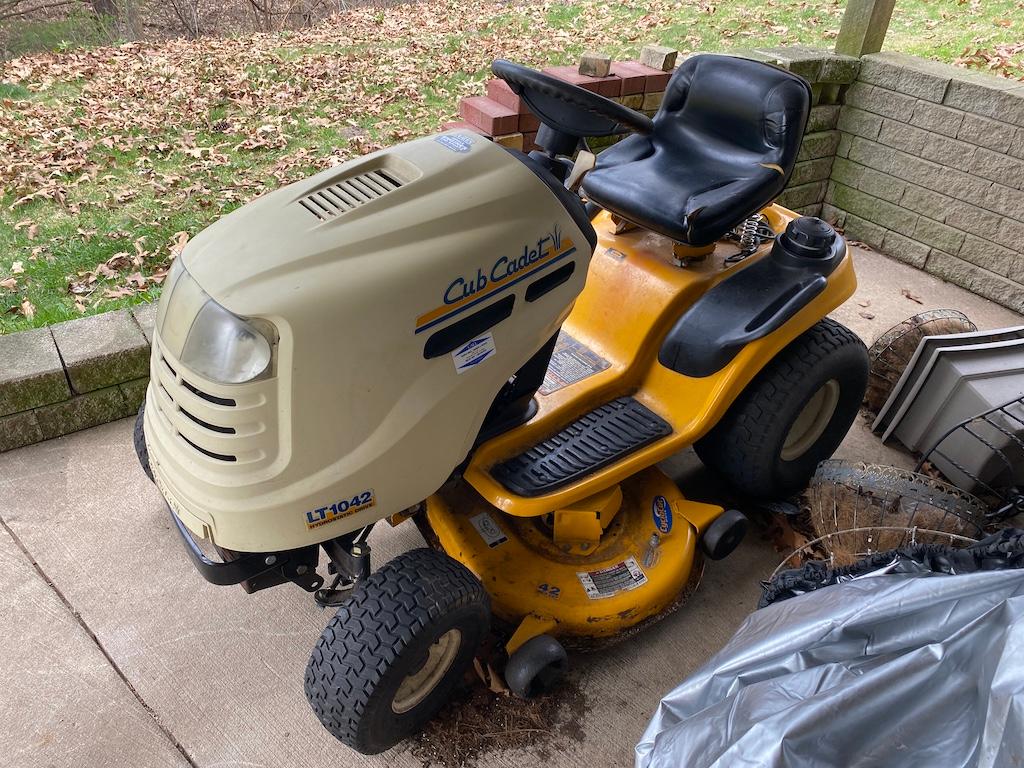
(830, 76)
(929, 169)
(73, 375)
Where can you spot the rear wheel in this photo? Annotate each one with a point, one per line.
(396, 648)
(793, 415)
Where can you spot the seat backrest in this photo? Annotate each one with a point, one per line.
(748, 105)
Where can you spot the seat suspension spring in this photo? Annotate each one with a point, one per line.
(750, 233)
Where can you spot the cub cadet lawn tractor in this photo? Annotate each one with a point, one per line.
(445, 331)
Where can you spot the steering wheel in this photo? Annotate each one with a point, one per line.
(569, 109)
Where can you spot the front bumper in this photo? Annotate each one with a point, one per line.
(253, 570)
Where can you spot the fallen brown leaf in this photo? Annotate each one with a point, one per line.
(118, 293)
(178, 242)
(912, 296)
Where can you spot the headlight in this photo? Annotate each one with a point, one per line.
(206, 337)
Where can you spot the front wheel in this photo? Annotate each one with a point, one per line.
(391, 656)
(794, 414)
(139, 441)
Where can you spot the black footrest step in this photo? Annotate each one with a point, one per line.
(593, 441)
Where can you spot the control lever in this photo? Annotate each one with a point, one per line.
(585, 162)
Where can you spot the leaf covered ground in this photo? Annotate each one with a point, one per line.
(112, 157)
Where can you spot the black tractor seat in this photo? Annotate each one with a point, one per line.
(724, 144)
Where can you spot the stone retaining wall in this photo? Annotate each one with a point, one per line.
(73, 375)
(930, 170)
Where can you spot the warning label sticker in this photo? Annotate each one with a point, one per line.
(606, 582)
(571, 361)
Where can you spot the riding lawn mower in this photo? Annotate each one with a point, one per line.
(501, 347)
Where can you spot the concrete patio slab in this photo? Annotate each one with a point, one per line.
(881, 282)
(63, 704)
(222, 671)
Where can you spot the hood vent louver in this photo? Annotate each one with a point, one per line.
(348, 194)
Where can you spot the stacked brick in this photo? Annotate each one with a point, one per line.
(930, 170)
(640, 85)
(503, 117)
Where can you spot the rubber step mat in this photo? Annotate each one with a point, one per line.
(593, 441)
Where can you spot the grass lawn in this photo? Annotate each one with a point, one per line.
(113, 156)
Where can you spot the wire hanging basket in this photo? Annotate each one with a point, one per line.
(891, 352)
(857, 509)
(833, 548)
(985, 453)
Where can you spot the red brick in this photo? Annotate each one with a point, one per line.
(632, 80)
(528, 123)
(656, 79)
(529, 141)
(499, 91)
(489, 116)
(458, 125)
(603, 86)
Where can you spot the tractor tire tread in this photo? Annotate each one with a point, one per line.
(744, 431)
(375, 624)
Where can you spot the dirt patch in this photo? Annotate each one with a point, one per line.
(477, 723)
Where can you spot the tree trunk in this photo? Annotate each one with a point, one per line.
(104, 7)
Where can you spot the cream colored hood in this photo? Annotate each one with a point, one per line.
(365, 272)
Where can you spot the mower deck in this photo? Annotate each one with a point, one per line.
(568, 588)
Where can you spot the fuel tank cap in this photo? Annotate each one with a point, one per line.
(808, 237)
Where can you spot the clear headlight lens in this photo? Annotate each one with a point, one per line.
(223, 347)
(206, 337)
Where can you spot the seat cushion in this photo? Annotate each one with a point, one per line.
(723, 146)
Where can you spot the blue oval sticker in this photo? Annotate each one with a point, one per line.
(661, 510)
(455, 142)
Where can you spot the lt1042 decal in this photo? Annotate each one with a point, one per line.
(339, 509)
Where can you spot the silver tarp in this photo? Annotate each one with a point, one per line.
(882, 671)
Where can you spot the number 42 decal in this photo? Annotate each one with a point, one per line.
(550, 590)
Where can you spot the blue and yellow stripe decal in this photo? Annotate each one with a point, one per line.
(447, 311)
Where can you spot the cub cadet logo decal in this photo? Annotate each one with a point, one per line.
(662, 512)
(468, 290)
(340, 509)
